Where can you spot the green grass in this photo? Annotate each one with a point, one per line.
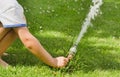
(56, 24)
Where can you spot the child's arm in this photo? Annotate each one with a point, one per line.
(36, 48)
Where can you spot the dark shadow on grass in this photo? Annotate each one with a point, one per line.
(21, 58)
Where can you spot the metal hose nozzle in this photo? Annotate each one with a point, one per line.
(72, 51)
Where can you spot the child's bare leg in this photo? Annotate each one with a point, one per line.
(35, 47)
(3, 63)
(5, 43)
(7, 36)
(3, 31)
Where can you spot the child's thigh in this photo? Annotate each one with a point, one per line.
(3, 31)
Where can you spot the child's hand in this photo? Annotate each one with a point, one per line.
(61, 62)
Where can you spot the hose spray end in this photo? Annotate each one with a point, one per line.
(72, 52)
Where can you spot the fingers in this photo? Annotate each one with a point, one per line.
(66, 60)
(70, 57)
(61, 62)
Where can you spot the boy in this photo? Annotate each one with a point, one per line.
(13, 25)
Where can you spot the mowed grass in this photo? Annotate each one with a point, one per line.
(56, 24)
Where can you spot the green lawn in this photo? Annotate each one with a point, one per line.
(56, 24)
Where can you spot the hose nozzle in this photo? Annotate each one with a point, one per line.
(72, 51)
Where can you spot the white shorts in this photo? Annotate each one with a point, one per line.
(11, 14)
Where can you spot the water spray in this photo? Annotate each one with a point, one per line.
(94, 11)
